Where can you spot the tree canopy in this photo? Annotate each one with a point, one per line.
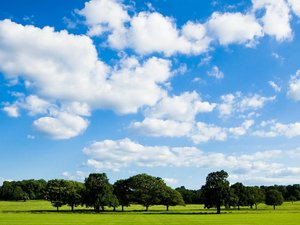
(216, 190)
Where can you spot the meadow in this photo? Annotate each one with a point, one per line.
(42, 213)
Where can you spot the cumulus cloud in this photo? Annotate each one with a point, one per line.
(61, 126)
(58, 73)
(58, 70)
(295, 5)
(182, 107)
(229, 28)
(12, 110)
(32, 103)
(78, 175)
(161, 128)
(263, 167)
(294, 87)
(117, 154)
(172, 116)
(104, 16)
(153, 32)
(254, 102)
(207, 132)
(216, 73)
(170, 181)
(147, 32)
(274, 86)
(276, 19)
(239, 103)
(275, 129)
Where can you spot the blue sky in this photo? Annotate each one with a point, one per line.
(176, 89)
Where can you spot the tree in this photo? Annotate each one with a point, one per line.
(18, 194)
(171, 197)
(73, 193)
(98, 191)
(216, 190)
(256, 196)
(241, 193)
(274, 198)
(123, 192)
(35, 189)
(190, 196)
(146, 190)
(7, 190)
(56, 192)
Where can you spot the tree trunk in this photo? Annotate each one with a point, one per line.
(167, 207)
(218, 209)
(147, 207)
(122, 208)
(56, 208)
(102, 208)
(255, 206)
(274, 207)
(72, 208)
(238, 207)
(114, 208)
(97, 208)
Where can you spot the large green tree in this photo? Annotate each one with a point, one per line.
(190, 196)
(242, 194)
(98, 192)
(73, 195)
(256, 196)
(216, 190)
(274, 198)
(123, 192)
(146, 189)
(171, 197)
(56, 191)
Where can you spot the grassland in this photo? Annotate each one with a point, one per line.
(42, 213)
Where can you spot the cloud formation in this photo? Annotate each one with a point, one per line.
(117, 154)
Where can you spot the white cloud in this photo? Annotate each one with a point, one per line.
(153, 32)
(32, 103)
(294, 87)
(275, 129)
(207, 132)
(230, 28)
(274, 86)
(183, 107)
(12, 110)
(276, 19)
(277, 56)
(226, 108)
(1, 181)
(170, 181)
(57, 68)
(242, 130)
(58, 73)
(216, 73)
(104, 16)
(78, 175)
(172, 116)
(161, 128)
(118, 154)
(135, 85)
(238, 103)
(295, 5)
(254, 102)
(61, 126)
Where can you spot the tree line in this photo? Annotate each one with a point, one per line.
(146, 190)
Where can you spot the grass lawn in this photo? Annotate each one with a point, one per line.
(42, 213)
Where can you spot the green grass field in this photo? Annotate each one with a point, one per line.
(42, 213)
